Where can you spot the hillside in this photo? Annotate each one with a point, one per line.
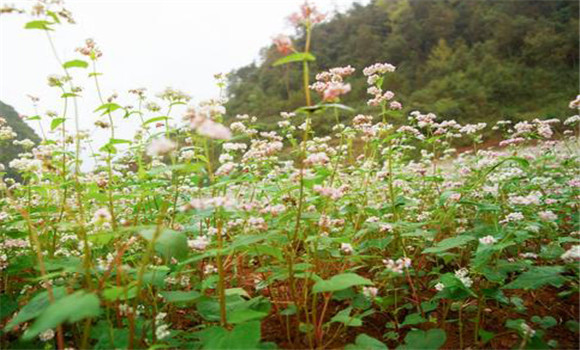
(467, 60)
(8, 150)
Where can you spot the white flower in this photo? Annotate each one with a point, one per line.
(209, 269)
(346, 248)
(370, 292)
(547, 215)
(572, 120)
(46, 335)
(487, 240)
(439, 286)
(101, 215)
(527, 330)
(226, 169)
(162, 331)
(462, 275)
(513, 217)
(572, 254)
(384, 228)
(397, 266)
(214, 130)
(529, 255)
(160, 147)
(575, 103)
(198, 243)
(319, 158)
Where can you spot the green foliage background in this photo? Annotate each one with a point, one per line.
(461, 59)
(8, 151)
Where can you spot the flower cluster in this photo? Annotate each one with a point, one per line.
(308, 15)
(397, 266)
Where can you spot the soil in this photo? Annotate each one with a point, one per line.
(544, 302)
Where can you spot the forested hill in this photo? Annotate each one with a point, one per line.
(8, 150)
(463, 59)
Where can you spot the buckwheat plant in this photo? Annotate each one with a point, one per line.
(205, 231)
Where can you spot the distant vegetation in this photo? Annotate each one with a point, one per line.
(463, 60)
(9, 151)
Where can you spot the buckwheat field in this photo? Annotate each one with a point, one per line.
(346, 222)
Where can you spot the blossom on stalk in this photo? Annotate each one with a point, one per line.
(160, 147)
(101, 216)
(283, 44)
(199, 243)
(547, 215)
(572, 254)
(307, 15)
(346, 248)
(462, 275)
(370, 292)
(397, 266)
(488, 240)
(574, 104)
(200, 120)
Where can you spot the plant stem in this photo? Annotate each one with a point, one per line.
(222, 276)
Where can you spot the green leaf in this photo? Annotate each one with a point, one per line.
(449, 243)
(417, 339)
(108, 148)
(244, 315)
(107, 108)
(209, 308)
(9, 305)
(537, 277)
(119, 141)
(118, 293)
(486, 336)
(44, 25)
(68, 94)
(180, 296)
(345, 318)
(72, 308)
(75, 64)
(237, 291)
(54, 16)
(413, 319)
(35, 307)
(169, 243)
(243, 336)
(323, 106)
(572, 326)
(56, 122)
(246, 240)
(295, 57)
(109, 338)
(156, 276)
(340, 282)
(156, 119)
(365, 342)
(289, 311)
(546, 322)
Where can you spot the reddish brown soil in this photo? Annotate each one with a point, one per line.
(542, 303)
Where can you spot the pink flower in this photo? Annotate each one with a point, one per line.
(199, 121)
(283, 44)
(214, 130)
(334, 90)
(395, 105)
(160, 147)
(575, 103)
(308, 15)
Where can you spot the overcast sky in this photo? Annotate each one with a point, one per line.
(152, 44)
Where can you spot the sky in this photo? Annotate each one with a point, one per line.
(145, 43)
